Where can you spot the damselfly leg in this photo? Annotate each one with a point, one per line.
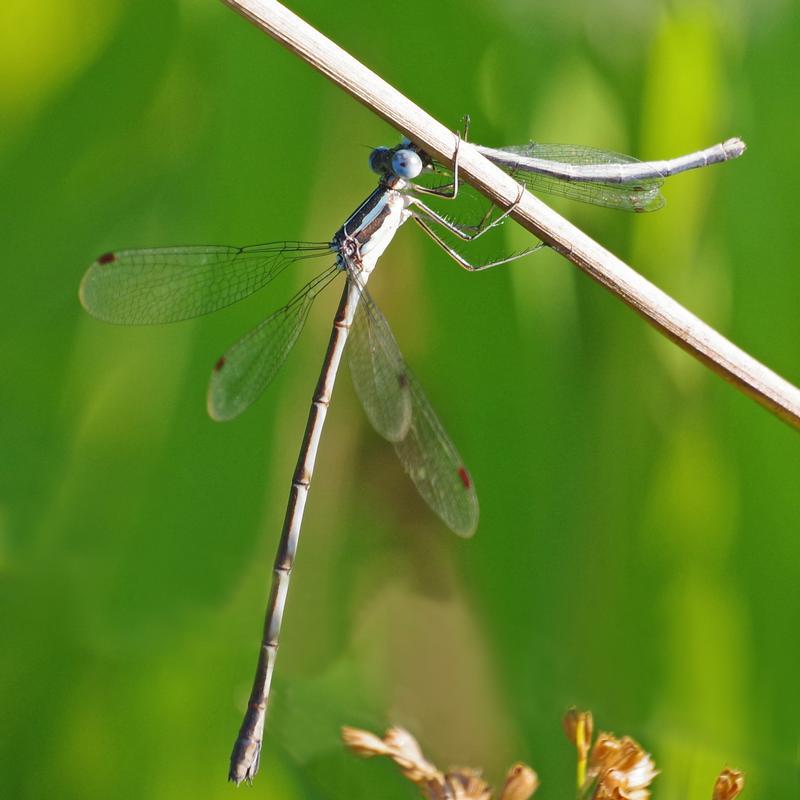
(463, 262)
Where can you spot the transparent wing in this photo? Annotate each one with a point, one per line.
(248, 367)
(168, 284)
(379, 374)
(641, 195)
(426, 451)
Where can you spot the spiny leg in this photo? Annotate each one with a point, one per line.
(467, 233)
(459, 259)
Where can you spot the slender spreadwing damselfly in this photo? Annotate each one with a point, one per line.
(176, 283)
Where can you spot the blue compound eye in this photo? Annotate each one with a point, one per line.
(406, 164)
(379, 160)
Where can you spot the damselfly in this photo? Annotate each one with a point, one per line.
(176, 283)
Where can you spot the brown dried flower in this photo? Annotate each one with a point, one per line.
(457, 784)
(728, 785)
(464, 784)
(399, 745)
(620, 768)
(521, 783)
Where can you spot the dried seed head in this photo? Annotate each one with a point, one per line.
(364, 743)
(728, 785)
(521, 783)
(621, 768)
(399, 745)
(408, 756)
(464, 784)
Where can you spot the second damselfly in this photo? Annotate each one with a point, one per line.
(161, 285)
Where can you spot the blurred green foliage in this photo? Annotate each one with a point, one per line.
(638, 550)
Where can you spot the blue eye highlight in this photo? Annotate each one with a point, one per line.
(406, 164)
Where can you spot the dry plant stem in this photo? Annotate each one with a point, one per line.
(659, 309)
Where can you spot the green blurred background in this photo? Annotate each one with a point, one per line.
(638, 550)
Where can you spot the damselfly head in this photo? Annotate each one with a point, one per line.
(401, 162)
(405, 160)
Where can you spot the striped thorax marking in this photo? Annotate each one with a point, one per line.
(364, 237)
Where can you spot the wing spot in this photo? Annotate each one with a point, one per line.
(465, 478)
(107, 258)
(220, 364)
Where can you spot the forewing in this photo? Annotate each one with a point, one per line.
(379, 373)
(248, 367)
(168, 284)
(426, 451)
